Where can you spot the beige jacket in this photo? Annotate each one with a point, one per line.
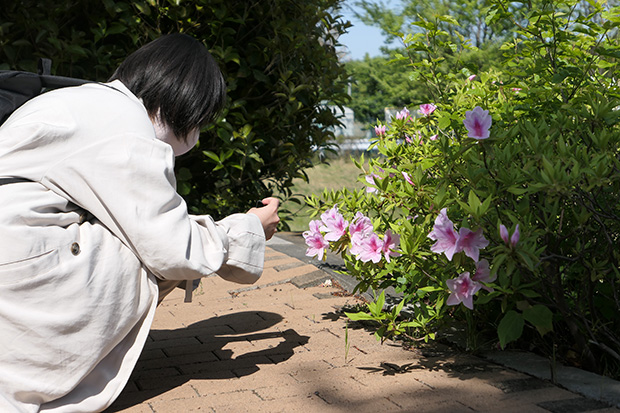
(77, 289)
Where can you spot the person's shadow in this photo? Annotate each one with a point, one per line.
(197, 352)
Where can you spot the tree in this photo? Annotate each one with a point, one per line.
(278, 58)
(381, 82)
(470, 15)
(376, 84)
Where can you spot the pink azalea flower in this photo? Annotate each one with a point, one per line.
(515, 236)
(483, 274)
(315, 241)
(357, 240)
(463, 290)
(426, 109)
(471, 242)
(403, 114)
(380, 130)
(503, 233)
(408, 139)
(334, 224)
(390, 244)
(369, 248)
(361, 224)
(478, 122)
(444, 233)
(371, 180)
(407, 178)
(472, 77)
(433, 138)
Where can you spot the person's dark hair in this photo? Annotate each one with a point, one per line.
(176, 75)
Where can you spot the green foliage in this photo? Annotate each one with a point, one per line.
(278, 58)
(376, 85)
(463, 20)
(381, 82)
(551, 165)
(384, 82)
(390, 322)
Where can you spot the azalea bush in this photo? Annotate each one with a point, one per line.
(495, 203)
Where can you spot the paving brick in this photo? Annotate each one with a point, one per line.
(274, 262)
(296, 271)
(120, 408)
(224, 365)
(175, 361)
(173, 342)
(182, 405)
(227, 383)
(139, 374)
(211, 400)
(274, 256)
(310, 279)
(281, 348)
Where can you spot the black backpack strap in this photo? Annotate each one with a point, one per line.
(13, 180)
(17, 87)
(45, 66)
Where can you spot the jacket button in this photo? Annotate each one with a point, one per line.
(75, 248)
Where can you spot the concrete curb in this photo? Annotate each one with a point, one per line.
(590, 385)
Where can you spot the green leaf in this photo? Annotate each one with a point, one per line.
(540, 317)
(184, 174)
(444, 120)
(212, 156)
(510, 328)
(360, 316)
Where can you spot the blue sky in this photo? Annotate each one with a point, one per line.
(360, 39)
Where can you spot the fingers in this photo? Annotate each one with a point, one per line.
(268, 214)
(272, 202)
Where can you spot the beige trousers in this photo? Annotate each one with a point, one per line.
(166, 287)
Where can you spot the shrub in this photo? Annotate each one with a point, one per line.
(278, 58)
(504, 192)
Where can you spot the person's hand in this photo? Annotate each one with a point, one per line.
(268, 215)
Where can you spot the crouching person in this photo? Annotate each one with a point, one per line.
(91, 223)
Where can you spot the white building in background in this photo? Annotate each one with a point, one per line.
(350, 129)
(347, 117)
(351, 135)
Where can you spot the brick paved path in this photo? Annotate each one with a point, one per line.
(279, 346)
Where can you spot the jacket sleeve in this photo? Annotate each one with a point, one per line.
(128, 184)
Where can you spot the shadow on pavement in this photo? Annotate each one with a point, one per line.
(197, 352)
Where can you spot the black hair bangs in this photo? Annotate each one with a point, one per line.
(176, 76)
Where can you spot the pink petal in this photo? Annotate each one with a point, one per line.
(515, 236)
(468, 302)
(503, 232)
(483, 272)
(427, 109)
(478, 122)
(403, 114)
(390, 243)
(453, 300)
(445, 235)
(370, 248)
(471, 242)
(463, 290)
(407, 178)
